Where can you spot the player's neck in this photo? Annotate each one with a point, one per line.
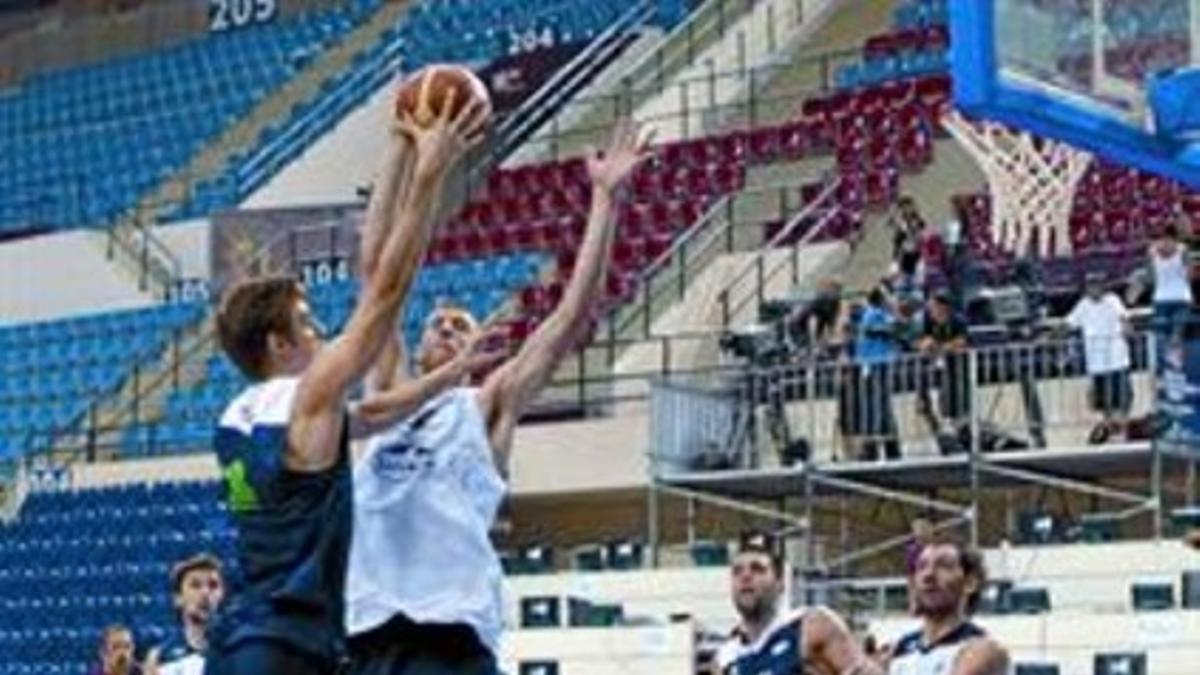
(753, 626)
(936, 628)
(195, 635)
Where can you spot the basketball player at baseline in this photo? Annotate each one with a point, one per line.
(945, 587)
(770, 640)
(283, 443)
(423, 591)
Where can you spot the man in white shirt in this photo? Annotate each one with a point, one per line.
(423, 586)
(1172, 284)
(1104, 322)
(945, 586)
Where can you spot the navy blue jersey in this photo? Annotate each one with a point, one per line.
(175, 648)
(293, 529)
(778, 651)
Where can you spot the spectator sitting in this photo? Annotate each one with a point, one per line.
(197, 588)
(116, 652)
(1102, 318)
(944, 337)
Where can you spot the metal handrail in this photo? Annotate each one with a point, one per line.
(759, 259)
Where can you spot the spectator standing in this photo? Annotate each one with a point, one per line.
(944, 339)
(1104, 322)
(1172, 284)
(871, 421)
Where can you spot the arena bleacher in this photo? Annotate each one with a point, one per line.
(629, 574)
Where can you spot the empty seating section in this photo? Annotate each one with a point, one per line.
(79, 147)
(466, 30)
(481, 285)
(433, 31)
(75, 562)
(50, 373)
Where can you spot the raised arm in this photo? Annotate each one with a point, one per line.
(318, 413)
(831, 647)
(389, 193)
(508, 391)
(403, 397)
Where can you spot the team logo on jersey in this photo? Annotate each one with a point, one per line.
(402, 460)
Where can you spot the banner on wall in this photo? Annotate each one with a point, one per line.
(511, 79)
(282, 241)
(1178, 409)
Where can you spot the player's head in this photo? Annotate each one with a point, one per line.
(756, 577)
(197, 588)
(448, 330)
(948, 579)
(116, 650)
(267, 327)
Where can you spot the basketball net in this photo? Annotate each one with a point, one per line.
(1032, 182)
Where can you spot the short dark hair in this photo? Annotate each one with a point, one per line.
(1171, 231)
(971, 562)
(198, 562)
(757, 541)
(250, 311)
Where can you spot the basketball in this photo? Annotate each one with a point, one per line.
(423, 93)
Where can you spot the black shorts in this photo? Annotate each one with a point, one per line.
(401, 647)
(265, 657)
(1112, 392)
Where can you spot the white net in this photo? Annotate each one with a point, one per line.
(1032, 181)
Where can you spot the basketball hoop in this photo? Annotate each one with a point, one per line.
(1032, 181)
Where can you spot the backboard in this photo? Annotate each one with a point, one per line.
(1078, 71)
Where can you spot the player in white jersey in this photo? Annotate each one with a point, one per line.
(423, 590)
(771, 641)
(945, 587)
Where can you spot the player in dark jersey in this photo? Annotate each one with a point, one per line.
(945, 587)
(283, 443)
(197, 588)
(770, 640)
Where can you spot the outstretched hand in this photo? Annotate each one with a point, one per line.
(443, 143)
(627, 149)
(483, 351)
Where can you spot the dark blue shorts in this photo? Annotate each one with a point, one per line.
(265, 657)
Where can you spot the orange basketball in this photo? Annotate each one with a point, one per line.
(423, 93)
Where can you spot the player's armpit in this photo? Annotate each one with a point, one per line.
(982, 657)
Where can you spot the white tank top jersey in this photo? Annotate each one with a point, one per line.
(912, 656)
(1172, 282)
(426, 493)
